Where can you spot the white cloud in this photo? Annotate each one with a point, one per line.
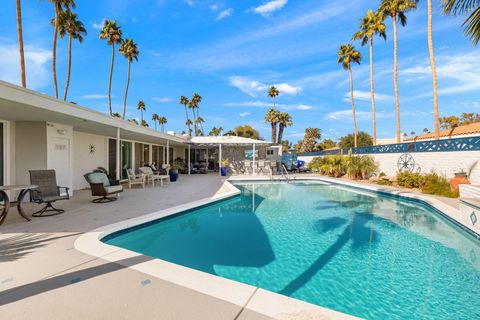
(365, 96)
(162, 100)
(215, 7)
(244, 114)
(36, 60)
(94, 96)
(267, 8)
(261, 104)
(225, 13)
(304, 107)
(343, 115)
(254, 87)
(191, 3)
(99, 25)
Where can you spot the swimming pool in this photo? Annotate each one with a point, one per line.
(357, 252)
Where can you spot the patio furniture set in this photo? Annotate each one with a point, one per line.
(247, 167)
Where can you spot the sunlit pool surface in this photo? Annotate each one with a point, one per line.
(361, 253)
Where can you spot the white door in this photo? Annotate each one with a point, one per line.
(59, 160)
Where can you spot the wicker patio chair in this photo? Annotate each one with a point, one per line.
(47, 192)
(103, 187)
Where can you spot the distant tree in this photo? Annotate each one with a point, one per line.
(247, 131)
(285, 120)
(286, 145)
(142, 108)
(155, 118)
(425, 130)
(363, 140)
(230, 133)
(184, 101)
(144, 123)
(162, 121)
(112, 33)
(130, 51)
(273, 93)
(413, 133)
(216, 131)
(454, 121)
(467, 118)
(116, 115)
(310, 139)
(326, 144)
(133, 121)
(273, 117)
(298, 146)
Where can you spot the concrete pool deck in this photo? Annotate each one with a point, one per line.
(43, 276)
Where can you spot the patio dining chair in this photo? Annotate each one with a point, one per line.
(261, 166)
(102, 186)
(247, 166)
(47, 192)
(152, 177)
(134, 179)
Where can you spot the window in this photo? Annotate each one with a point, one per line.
(270, 152)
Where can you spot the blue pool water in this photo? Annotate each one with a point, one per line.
(361, 253)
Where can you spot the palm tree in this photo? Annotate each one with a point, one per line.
(133, 121)
(372, 24)
(472, 23)
(141, 107)
(189, 123)
(436, 124)
(68, 23)
(184, 101)
(310, 139)
(195, 103)
(111, 31)
(130, 51)
(162, 120)
(273, 93)
(155, 118)
(285, 120)
(346, 56)
(58, 6)
(116, 115)
(273, 117)
(216, 131)
(199, 124)
(144, 124)
(396, 9)
(20, 44)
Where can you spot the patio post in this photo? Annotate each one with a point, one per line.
(168, 152)
(188, 159)
(220, 159)
(117, 160)
(253, 164)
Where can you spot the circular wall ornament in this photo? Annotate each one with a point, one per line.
(406, 163)
(92, 148)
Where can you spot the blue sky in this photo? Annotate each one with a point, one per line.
(231, 51)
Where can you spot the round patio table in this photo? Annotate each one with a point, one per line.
(24, 189)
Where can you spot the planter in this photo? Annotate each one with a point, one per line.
(460, 178)
(173, 175)
(223, 171)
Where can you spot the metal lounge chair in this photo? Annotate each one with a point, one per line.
(47, 192)
(103, 187)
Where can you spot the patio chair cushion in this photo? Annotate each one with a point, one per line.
(113, 189)
(146, 170)
(99, 177)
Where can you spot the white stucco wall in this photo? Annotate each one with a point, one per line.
(83, 160)
(445, 163)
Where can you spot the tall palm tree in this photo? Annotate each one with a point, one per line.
(189, 124)
(141, 107)
(472, 23)
(68, 23)
(196, 99)
(184, 101)
(199, 123)
(372, 24)
(346, 56)
(273, 93)
(273, 117)
(58, 6)
(155, 118)
(436, 124)
(112, 33)
(397, 9)
(144, 124)
(130, 51)
(20, 44)
(285, 120)
(162, 120)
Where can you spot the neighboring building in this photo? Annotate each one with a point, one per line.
(468, 130)
(381, 142)
(40, 132)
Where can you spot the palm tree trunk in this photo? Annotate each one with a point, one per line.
(54, 50)
(280, 133)
(110, 80)
(274, 131)
(155, 121)
(141, 113)
(434, 72)
(20, 44)
(186, 116)
(395, 75)
(69, 67)
(162, 128)
(126, 92)
(372, 93)
(353, 109)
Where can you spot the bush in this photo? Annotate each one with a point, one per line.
(410, 179)
(385, 182)
(361, 167)
(438, 185)
(357, 167)
(382, 174)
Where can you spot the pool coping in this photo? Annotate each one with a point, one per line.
(246, 297)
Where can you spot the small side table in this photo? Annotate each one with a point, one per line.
(24, 189)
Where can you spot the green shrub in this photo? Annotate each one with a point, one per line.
(384, 182)
(361, 167)
(410, 179)
(438, 185)
(382, 174)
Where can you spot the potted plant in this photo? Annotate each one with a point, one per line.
(174, 167)
(224, 167)
(461, 177)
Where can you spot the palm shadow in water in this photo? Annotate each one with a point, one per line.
(357, 230)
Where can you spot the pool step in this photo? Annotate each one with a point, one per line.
(469, 191)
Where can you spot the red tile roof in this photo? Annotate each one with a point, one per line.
(468, 129)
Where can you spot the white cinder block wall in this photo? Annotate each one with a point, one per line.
(445, 163)
(84, 160)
